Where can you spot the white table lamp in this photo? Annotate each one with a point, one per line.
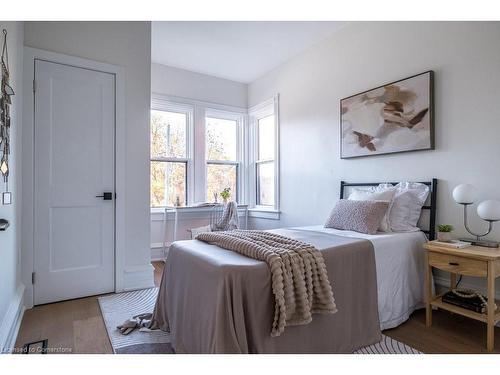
(465, 194)
(489, 211)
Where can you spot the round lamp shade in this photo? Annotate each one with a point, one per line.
(489, 210)
(465, 194)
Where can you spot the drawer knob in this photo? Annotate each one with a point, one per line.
(453, 264)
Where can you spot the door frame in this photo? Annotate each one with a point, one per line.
(28, 144)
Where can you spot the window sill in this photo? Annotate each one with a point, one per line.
(157, 210)
(189, 212)
(262, 213)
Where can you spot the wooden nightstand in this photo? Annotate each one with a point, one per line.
(470, 261)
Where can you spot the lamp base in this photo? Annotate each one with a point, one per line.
(482, 243)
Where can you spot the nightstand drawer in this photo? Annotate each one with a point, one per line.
(460, 265)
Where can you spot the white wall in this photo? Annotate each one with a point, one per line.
(127, 44)
(185, 84)
(466, 61)
(174, 82)
(11, 288)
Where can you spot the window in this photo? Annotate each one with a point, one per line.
(264, 123)
(265, 161)
(197, 150)
(169, 155)
(221, 146)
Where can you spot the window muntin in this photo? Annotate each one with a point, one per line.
(169, 132)
(265, 163)
(222, 161)
(219, 177)
(266, 138)
(230, 157)
(265, 183)
(221, 139)
(168, 183)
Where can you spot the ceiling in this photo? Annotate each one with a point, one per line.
(239, 51)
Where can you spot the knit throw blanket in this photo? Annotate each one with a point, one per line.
(298, 272)
(228, 219)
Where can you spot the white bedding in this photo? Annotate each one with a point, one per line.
(400, 268)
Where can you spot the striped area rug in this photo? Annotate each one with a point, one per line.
(387, 346)
(117, 308)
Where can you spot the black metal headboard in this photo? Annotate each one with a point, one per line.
(431, 232)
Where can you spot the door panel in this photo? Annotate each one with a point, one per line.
(74, 163)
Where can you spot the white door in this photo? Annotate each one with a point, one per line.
(74, 164)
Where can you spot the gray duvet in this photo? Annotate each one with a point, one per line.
(214, 300)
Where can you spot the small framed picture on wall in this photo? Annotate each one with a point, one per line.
(6, 198)
(395, 117)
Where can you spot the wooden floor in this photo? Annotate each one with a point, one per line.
(449, 334)
(74, 326)
(77, 326)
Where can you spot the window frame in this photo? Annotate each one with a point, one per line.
(224, 162)
(239, 118)
(267, 108)
(179, 161)
(259, 205)
(195, 138)
(164, 105)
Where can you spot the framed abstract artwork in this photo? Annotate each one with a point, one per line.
(396, 117)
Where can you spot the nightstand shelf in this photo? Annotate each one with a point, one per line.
(437, 302)
(470, 261)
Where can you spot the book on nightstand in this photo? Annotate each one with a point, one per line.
(454, 244)
(473, 304)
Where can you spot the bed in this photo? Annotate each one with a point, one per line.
(214, 300)
(400, 272)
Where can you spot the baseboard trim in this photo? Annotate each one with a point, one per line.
(157, 252)
(138, 277)
(12, 321)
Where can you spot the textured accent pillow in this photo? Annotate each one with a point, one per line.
(379, 194)
(407, 206)
(359, 216)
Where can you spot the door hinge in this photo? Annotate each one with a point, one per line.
(32, 277)
(34, 85)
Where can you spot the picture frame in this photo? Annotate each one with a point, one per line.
(392, 118)
(6, 198)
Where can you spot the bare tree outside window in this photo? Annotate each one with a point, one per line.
(168, 158)
(221, 137)
(171, 157)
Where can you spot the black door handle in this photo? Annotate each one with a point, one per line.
(107, 196)
(4, 224)
(453, 264)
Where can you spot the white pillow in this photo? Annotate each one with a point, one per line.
(406, 205)
(197, 231)
(378, 194)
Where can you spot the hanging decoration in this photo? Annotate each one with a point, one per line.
(5, 103)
